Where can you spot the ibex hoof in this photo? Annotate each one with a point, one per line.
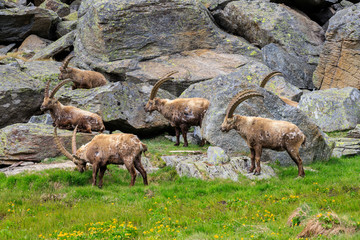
(176, 144)
(256, 173)
(185, 145)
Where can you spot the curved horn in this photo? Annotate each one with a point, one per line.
(57, 87)
(67, 60)
(47, 88)
(61, 147)
(73, 141)
(240, 97)
(268, 77)
(158, 84)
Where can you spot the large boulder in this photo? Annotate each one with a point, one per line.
(18, 23)
(121, 106)
(193, 66)
(111, 31)
(340, 59)
(63, 43)
(34, 142)
(22, 89)
(220, 91)
(61, 9)
(263, 22)
(332, 109)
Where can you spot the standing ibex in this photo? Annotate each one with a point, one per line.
(104, 149)
(67, 117)
(182, 112)
(267, 78)
(81, 78)
(262, 133)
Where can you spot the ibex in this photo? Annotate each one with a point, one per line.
(67, 117)
(182, 112)
(267, 78)
(81, 78)
(260, 133)
(104, 149)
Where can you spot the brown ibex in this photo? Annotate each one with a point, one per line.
(181, 112)
(260, 133)
(267, 78)
(67, 117)
(104, 149)
(81, 78)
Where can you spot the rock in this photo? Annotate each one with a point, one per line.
(109, 32)
(252, 72)
(65, 27)
(121, 106)
(296, 71)
(263, 23)
(34, 142)
(345, 147)
(44, 119)
(149, 168)
(38, 167)
(33, 44)
(216, 156)
(22, 89)
(220, 90)
(57, 6)
(18, 23)
(5, 49)
(193, 66)
(196, 166)
(354, 133)
(56, 47)
(332, 109)
(339, 61)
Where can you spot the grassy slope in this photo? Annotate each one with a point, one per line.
(49, 202)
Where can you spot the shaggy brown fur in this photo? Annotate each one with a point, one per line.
(67, 117)
(81, 78)
(104, 149)
(262, 133)
(182, 112)
(267, 78)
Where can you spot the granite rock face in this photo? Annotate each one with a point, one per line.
(34, 142)
(332, 109)
(340, 58)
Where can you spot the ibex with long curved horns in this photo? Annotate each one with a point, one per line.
(182, 112)
(260, 133)
(81, 78)
(267, 78)
(104, 149)
(67, 117)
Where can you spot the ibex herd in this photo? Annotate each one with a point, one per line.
(182, 113)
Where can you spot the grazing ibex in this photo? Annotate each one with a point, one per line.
(267, 78)
(104, 149)
(67, 117)
(182, 112)
(81, 78)
(260, 133)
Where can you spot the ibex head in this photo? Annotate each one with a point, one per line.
(230, 120)
(153, 102)
(49, 100)
(65, 72)
(75, 157)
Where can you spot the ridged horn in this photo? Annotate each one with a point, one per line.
(47, 88)
(268, 77)
(155, 88)
(61, 147)
(67, 60)
(73, 141)
(239, 98)
(57, 87)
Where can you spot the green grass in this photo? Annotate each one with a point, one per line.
(62, 204)
(338, 134)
